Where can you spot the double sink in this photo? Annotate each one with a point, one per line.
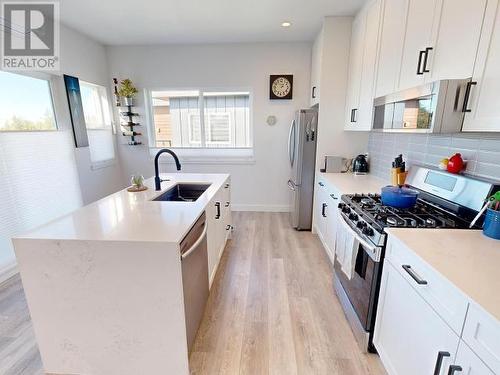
(183, 192)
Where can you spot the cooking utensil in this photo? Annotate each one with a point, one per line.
(399, 197)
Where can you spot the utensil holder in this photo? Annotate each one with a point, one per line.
(491, 226)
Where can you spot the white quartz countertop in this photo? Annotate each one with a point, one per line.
(349, 183)
(125, 216)
(467, 258)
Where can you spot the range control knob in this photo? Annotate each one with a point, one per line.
(368, 231)
(353, 216)
(341, 206)
(346, 210)
(361, 224)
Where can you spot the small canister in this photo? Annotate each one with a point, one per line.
(491, 226)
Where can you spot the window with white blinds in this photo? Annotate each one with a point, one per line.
(37, 170)
(98, 122)
(201, 119)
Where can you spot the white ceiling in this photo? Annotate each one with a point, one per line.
(115, 22)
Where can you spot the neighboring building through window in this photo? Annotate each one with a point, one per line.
(26, 103)
(98, 122)
(196, 119)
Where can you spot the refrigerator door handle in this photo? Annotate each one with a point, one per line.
(292, 185)
(291, 150)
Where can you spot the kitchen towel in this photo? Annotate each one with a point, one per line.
(346, 249)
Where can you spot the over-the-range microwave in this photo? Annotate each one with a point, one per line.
(436, 107)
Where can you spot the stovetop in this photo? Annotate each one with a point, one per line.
(423, 215)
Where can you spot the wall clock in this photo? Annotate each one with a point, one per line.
(280, 86)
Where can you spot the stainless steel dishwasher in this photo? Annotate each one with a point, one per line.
(194, 261)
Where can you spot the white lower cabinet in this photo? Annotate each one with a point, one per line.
(321, 209)
(468, 363)
(325, 213)
(331, 221)
(409, 336)
(219, 222)
(427, 325)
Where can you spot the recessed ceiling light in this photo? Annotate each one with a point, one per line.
(286, 24)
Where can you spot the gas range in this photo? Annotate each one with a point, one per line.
(369, 216)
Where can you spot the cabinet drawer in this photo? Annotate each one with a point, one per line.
(482, 334)
(446, 299)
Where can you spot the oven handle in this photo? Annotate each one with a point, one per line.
(365, 244)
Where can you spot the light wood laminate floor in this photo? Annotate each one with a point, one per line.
(272, 310)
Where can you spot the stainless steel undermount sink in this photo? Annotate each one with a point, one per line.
(183, 192)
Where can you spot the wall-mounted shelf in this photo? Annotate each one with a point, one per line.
(130, 125)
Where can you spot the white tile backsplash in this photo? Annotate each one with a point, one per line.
(481, 151)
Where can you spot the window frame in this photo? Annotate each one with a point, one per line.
(50, 81)
(94, 165)
(208, 128)
(202, 155)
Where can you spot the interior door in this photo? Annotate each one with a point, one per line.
(456, 39)
(418, 35)
(409, 335)
(483, 111)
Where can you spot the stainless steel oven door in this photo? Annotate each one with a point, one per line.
(361, 289)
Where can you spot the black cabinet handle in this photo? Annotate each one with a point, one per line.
(419, 64)
(468, 88)
(217, 213)
(227, 204)
(323, 208)
(321, 184)
(454, 368)
(228, 227)
(413, 275)
(439, 361)
(426, 56)
(333, 196)
(353, 114)
(313, 94)
(226, 186)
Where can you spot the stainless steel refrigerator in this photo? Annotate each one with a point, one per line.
(302, 158)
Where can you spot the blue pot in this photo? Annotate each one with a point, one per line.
(399, 197)
(491, 226)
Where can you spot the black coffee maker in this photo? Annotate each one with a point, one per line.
(360, 165)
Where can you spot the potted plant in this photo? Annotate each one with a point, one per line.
(127, 91)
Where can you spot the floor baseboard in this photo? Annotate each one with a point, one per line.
(261, 207)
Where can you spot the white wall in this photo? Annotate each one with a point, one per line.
(257, 186)
(86, 59)
(335, 38)
(54, 152)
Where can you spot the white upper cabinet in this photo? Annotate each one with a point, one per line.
(366, 93)
(417, 40)
(316, 58)
(392, 32)
(362, 66)
(483, 109)
(441, 40)
(456, 39)
(355, 68)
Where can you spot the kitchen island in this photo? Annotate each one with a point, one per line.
(104, 284)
